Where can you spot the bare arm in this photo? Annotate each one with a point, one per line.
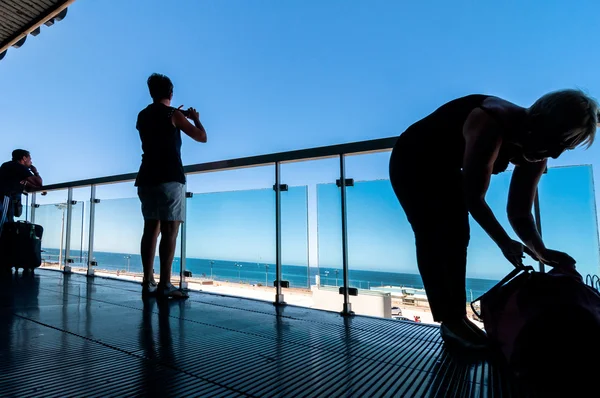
(482, 144)
(521, 195)
(33, 182)
(195, 131)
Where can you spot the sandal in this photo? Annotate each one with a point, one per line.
(149, 288)
(170, 291)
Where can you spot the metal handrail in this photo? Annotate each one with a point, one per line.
(352, 148)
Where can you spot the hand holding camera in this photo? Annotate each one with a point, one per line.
(190, 113)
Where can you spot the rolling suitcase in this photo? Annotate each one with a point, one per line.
(21, 245)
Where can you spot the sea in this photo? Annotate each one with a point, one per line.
(263, 274)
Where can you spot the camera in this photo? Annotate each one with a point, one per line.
(185, 112)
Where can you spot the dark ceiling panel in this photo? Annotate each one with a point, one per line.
(19, 18)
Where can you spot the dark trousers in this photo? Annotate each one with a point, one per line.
(434, 204)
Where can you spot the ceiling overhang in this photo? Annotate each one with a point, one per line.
(19, 19)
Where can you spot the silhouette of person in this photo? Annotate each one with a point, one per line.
(161, 181)
(17, 175)
(440, 170)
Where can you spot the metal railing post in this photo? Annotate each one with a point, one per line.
(279, 300)
(307, 242)
(182, 257)
(67, 258)
(32, 207)
(347, 310)
(90, 259)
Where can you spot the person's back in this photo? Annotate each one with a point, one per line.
(11, 175)
(161, 146)
(441, 132)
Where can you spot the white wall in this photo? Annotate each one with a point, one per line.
(366, 303)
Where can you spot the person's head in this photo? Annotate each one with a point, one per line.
(22, 156)
(160, 87)
(559, 121)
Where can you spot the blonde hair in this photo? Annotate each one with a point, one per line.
(570, 116)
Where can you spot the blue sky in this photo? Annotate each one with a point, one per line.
(274, 76)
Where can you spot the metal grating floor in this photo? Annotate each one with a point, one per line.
(73, 336)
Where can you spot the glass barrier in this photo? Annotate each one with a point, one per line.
(78, 255)
(26, 214)
(381, 249)
(52, 216)
(568, 215)
(294, 238)
(230, 243)
(381, 254)
(300, 237)
(329, 230)
(118, 228)
(77, 258)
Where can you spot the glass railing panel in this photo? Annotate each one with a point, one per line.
(568, 215)
(77, 250)
(80, 230)
(117, 234)
(51, 214)
(300, 246)
(381, 246)
(118, 228)
(26, 213)
(230, 243)
(329, 229)
(329, 236)
(381, 255)
(381, 252)
(294, 238)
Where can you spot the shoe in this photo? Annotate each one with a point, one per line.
(149, 288)
(170, 291)
(460, 335)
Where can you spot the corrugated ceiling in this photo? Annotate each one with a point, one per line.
(21, 18)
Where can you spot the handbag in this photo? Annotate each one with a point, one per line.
(544, 325)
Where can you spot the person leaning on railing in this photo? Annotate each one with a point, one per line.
(16, 175)
(440, 170)
(161, 180)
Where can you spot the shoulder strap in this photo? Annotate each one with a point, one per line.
(511, 275)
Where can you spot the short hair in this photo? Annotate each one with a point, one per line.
(19, 154)
(569, 115)
(160, 86)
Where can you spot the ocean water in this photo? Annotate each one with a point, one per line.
(264, 274)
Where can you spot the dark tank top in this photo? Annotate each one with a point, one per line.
(161, 147)
(438, 138)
